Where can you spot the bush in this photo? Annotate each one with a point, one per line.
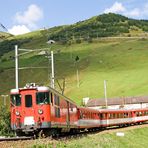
(90, 40)
(5, 126)
(3, 60)
(1, 70)
(78, 41)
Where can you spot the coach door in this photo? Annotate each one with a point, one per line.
(68, 115)
(29, 108)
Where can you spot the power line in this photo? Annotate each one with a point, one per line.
(4, 28)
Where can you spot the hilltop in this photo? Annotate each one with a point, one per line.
(104, 25)
(4, 36)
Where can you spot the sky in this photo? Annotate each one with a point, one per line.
(23, 16)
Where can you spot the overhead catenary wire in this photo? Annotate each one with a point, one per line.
(3, 27)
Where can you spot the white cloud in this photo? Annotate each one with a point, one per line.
(137, 12)
(18, 29)
(115, 8)
(26, 20)
(29, 17)
(145, 10)
(133, 13)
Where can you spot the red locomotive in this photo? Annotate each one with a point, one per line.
(43, 110)
(38, 108)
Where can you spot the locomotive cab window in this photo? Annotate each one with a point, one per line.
(42, 98)
(28, 100)
(51, 97)
(16, 100)
(56, 100)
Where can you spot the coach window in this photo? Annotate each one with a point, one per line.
(125, 115)
(16, 100)
(42, 98)
(121, 115)
(137, 113)
(28, 100)
(101, 116)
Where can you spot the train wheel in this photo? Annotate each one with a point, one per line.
(41, 134)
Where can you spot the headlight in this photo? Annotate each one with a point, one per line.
(17, 113)
(40, 111)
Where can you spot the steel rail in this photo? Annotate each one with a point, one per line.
(15, 138)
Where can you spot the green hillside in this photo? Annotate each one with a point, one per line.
(4, 36)
(122, 62)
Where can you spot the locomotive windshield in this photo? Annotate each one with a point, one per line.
(28, 100)
(42, 98)
(16, 100)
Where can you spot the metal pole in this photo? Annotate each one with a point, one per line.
(105, 93)
(78, 84)
(16, 66)
(4, 99)
(52, 70)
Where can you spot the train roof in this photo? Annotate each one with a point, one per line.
(117, 101)
(42, 88)
(111, 110)
(88, 109)
(122, 110)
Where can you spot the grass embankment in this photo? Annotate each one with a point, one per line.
(134, 137)
(122, 62)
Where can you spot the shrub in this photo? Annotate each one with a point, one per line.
(90, 40)
(5, 126)
(78, 41)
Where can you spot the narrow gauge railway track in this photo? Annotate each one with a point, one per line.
(16, 138)
(67, 136)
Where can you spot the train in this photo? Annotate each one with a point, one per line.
(43, 111)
